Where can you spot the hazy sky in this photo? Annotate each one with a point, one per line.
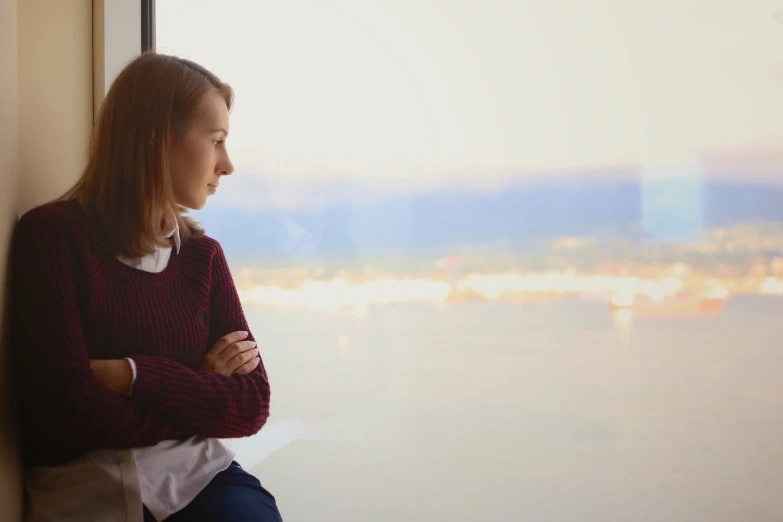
(405, 92)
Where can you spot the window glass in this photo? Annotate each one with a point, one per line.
(506, 260)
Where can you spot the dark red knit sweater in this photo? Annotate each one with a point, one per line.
(72, 302)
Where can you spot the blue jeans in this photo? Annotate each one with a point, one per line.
(234, 495)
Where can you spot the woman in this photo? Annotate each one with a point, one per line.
(131, 343)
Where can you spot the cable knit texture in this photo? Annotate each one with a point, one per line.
(72, 302)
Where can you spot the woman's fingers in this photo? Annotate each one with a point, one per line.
(249, 366)
(232, 354)
(237, 349)
(241, 359)
(226, 341)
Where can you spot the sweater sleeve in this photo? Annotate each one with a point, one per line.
(209, 404)
(62, 404)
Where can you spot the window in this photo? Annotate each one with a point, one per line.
(506, 260)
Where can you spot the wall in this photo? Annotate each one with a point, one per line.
(55, 96)
(10, 484)
(45, 119)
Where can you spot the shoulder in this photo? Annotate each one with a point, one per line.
(51, 219)
(204, 264)
(206, 253)
(205, 246)
(51, 235)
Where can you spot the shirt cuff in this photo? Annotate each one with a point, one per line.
(133, 369)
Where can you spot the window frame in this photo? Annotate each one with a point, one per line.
(147, 25)
(121, 30)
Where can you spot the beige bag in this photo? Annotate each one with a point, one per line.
(102, 486)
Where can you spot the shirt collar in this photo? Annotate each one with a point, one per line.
(174, 232)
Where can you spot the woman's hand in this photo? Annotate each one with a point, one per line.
(231, 355)
(113, 374)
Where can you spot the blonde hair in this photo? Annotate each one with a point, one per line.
(125, 190)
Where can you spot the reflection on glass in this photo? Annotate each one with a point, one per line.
(508, 260)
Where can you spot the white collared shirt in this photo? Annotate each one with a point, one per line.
(165, 477)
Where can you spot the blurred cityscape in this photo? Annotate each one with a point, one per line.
(645, 276)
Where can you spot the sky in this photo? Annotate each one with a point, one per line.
(398, 95)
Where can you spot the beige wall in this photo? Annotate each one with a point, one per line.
(55, 96)
(45, 122)
(10, 486)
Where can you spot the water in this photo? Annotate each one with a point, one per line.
(499, 412)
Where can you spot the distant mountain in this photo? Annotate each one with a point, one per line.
(437, 222)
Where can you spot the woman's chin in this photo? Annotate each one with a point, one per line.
(195, 204)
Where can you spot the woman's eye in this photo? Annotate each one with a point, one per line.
(218, 142)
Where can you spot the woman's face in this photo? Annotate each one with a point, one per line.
(198, 159)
